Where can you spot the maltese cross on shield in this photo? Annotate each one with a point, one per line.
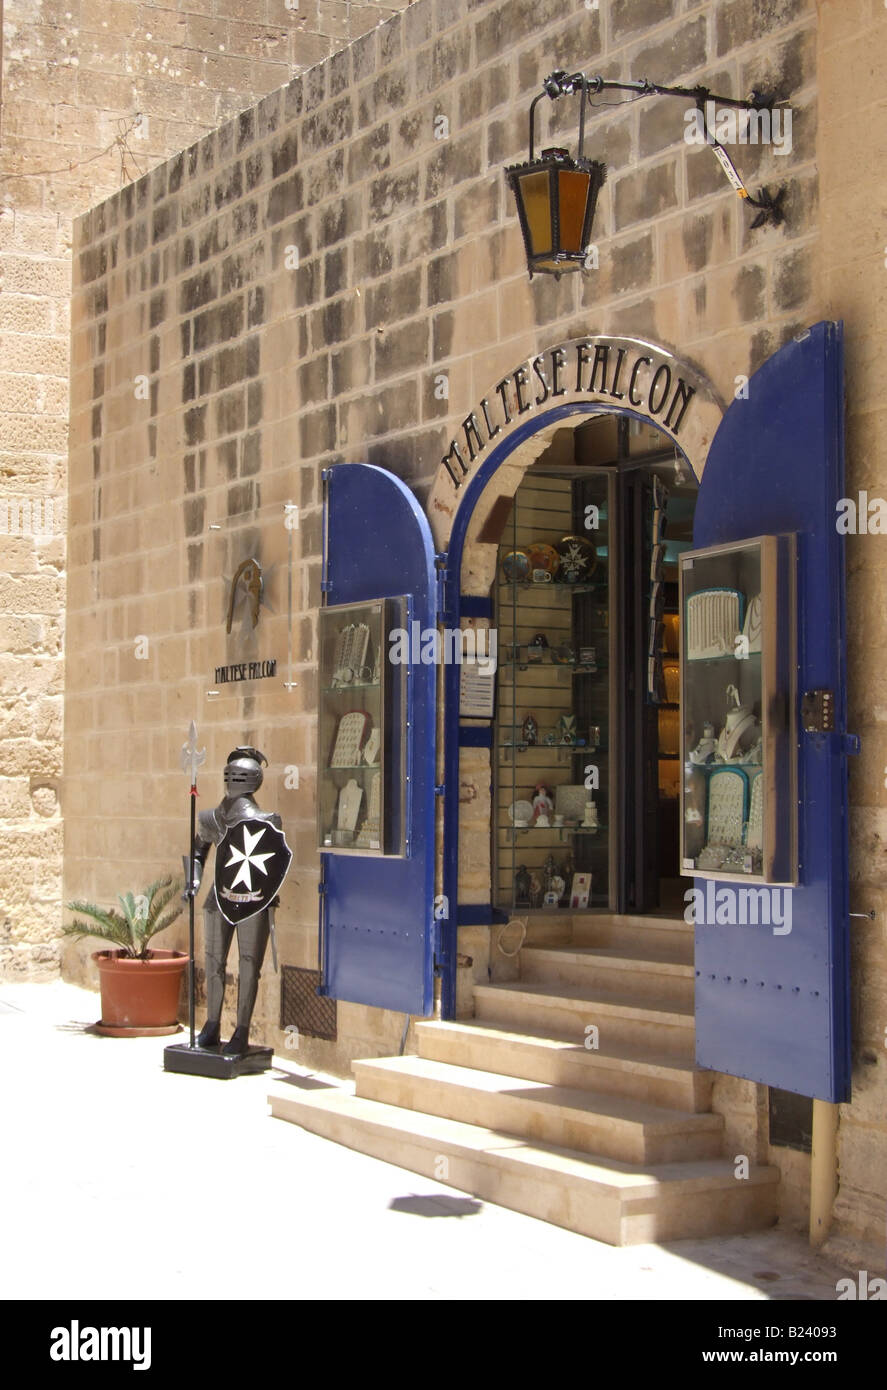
(251, 863)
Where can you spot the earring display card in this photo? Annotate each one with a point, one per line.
(754, 835)
(350, 735)
(726, 807)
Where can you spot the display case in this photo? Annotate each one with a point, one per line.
(738, 799)
(552, 734)
(361, 746)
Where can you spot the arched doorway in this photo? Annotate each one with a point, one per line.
(612, 467)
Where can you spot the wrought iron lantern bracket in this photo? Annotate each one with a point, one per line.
(561, 83)
(557, 195)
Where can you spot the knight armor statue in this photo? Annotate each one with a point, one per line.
(246, 839)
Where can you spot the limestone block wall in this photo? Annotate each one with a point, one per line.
(336, 275)
(94, 93)
(854, 287)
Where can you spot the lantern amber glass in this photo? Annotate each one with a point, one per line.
(535, 191)
(573, 186)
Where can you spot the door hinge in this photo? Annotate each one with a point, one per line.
(850, 745)
(439, 790)
(442, 575)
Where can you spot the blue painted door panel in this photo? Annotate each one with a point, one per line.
(376, 932)
(776, 465)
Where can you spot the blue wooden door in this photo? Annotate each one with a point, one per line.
(775, 1008)
(376, 914)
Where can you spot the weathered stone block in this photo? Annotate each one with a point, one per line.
(740, 21)
(401, 349)
(645, 193)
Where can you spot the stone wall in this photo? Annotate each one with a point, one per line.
(95, 92)
(336, 275)
(851, 54)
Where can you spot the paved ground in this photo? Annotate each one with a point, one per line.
(95, 1130)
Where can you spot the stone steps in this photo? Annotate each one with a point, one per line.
(612, 969)
(643, 1075)
(607, 1126)
(615, 1202)
(613, 1139)
(635, 933)
(623, 1020)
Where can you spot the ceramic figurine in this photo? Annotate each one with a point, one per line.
(530, 731)
(521, 886)
(535, 891)
(543, 805)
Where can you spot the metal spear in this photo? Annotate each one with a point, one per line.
(191, 760)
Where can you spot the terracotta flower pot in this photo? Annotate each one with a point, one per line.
(140, 998)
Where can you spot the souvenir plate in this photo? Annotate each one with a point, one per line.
(578, 559)
(516, 567)
(544, 557)
(520, 812)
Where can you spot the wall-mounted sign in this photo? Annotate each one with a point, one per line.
(245, 671)
(603, 367)
(618, 374)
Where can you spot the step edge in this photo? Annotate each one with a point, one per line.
(640, 1181)
(655, 1123)
(490, 1031)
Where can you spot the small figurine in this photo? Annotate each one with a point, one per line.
(566, 728)
(536, 647)
(590, 820)
(549, 870)
(543, 805)
(530, 731)
(568, 868)
(535, 891)
(522, 886)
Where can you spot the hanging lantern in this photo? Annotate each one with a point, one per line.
(556, 195)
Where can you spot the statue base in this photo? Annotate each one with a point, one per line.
(211, 1061)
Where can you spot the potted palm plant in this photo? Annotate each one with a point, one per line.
(140, 984)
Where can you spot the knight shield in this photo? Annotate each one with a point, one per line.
(251, 863)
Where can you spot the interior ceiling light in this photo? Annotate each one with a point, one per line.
(557, 195)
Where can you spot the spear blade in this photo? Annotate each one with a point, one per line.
(191, 758)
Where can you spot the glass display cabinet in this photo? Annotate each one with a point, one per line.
(360, 736)
(738, 797)
(551, 841)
